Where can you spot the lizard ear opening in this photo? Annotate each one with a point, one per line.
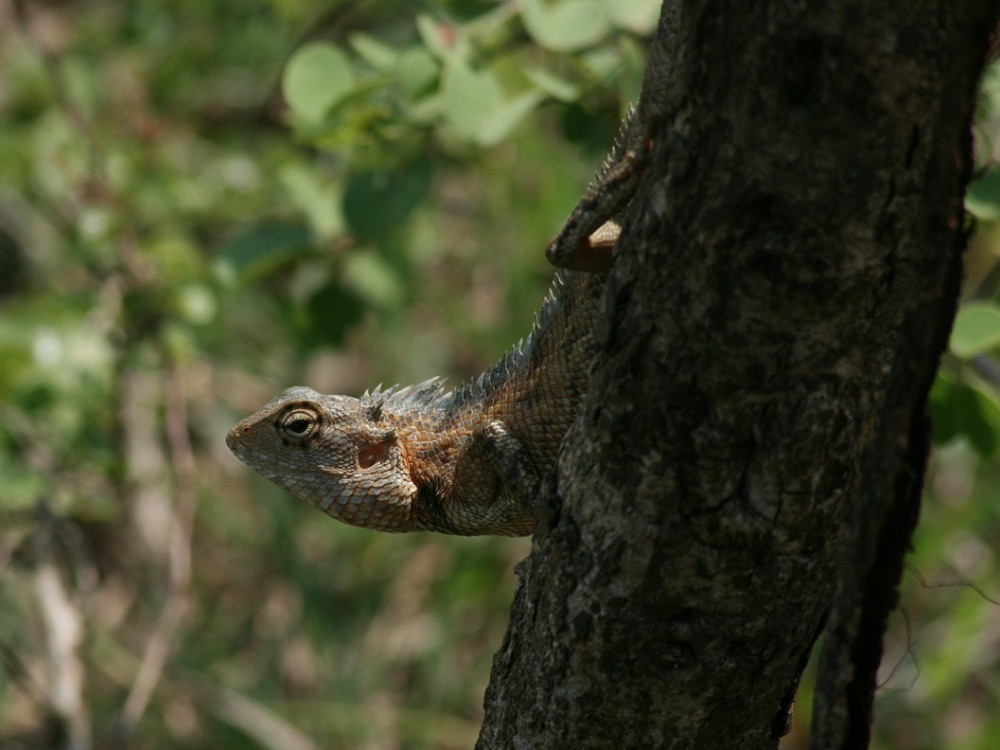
(375, 453)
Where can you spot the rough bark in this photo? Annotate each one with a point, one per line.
(747, 467)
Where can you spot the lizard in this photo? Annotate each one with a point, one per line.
(464, 461)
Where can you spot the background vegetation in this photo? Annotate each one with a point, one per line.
(202, 203)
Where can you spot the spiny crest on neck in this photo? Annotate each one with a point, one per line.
(431, 394)
(425, 394)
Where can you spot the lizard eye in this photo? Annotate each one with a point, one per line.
(299, 424)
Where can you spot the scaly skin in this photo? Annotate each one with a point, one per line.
(462, 462)
(466, 461)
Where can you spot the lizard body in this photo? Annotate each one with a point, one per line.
(465, 461)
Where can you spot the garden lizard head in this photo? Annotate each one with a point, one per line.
(342, 454)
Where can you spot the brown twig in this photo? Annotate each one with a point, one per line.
(182, 515)
(267, 728)
(63, 624)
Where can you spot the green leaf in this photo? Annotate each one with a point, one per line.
(633, 56)
(976, 330)
(944, 425)
(982, 198)
(380, 56)
(551, 84)
(319, 199)
(417, 70)
(506, 118)
(327, 315)
(601, 62)
(471, 99)
(265, 247)
(15, 353)
(565, 25)
(317, 77)
(443, 41)
(961, 409)
(475, 107)
(195, 303)
(373, 279)
(635, 16)
(376, 203)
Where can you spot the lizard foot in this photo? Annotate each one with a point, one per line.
(587, 239)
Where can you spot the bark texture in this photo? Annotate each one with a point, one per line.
(747, 467)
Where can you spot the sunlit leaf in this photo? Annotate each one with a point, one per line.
(976, 330)
(317, 77)
(380, 56)
(417, 70)
(318, 198)
(636, 16)
(565, 25)
(471, 99)
(506, 118)
(552, 84)
(373, 279)
(440, 39)
(196, 304)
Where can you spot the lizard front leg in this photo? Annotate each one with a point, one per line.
(495, 483)
(587, 239)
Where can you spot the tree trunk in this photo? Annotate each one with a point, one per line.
(746, 470)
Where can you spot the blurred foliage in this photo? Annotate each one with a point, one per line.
(204, 203)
